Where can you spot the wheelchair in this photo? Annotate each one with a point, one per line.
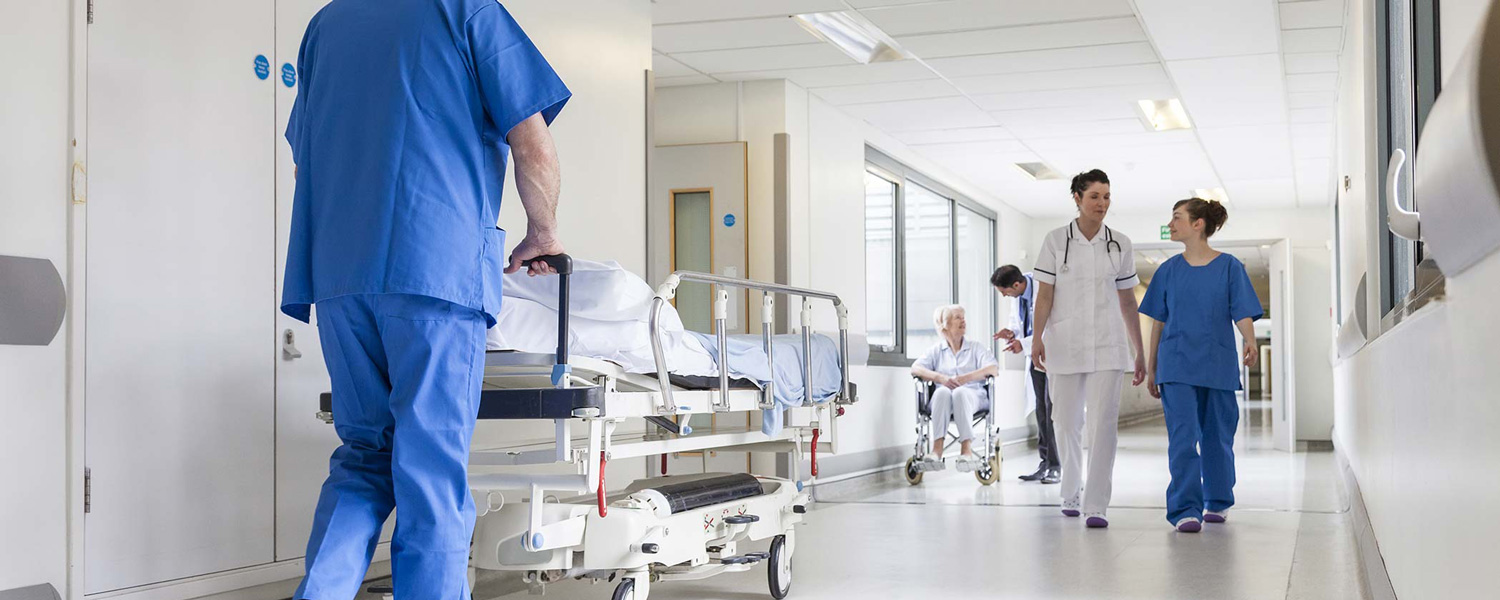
(985, 445)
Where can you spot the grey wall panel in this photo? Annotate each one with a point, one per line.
(31, 301)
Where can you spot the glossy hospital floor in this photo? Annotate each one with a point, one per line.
(949, 538)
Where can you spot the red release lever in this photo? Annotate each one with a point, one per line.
(815, 452)
(664, 465)
(602, 510)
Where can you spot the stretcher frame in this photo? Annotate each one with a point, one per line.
(602, 396)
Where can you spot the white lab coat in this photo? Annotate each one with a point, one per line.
(1085, 332)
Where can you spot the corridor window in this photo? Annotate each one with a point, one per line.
(1407, 69)
(880, 262)
(925, 246)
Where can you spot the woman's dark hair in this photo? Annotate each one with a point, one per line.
(1082, 180)
(1006, 276)
(1212, 213)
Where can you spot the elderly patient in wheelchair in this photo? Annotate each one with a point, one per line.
(959, 369)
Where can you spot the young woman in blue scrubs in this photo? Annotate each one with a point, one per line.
(1197, 298)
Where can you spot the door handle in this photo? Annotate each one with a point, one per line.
(1404, 223)
(289, 349)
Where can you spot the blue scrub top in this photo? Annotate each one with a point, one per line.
(1199, 306)
(398, 134)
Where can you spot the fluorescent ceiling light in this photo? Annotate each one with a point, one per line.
(857, 37)
(1038, 171)
(1164, 115)
(1212, 194)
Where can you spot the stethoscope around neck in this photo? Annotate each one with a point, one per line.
(1110, 245)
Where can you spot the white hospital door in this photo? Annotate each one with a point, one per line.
(180, 232)
(698, 222)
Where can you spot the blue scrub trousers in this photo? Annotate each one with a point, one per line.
(406, 373)
(1199, 416)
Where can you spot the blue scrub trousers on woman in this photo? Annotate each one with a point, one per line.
(406, 372)
(1206, 418)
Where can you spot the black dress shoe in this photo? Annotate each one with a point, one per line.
(1052, 477)
(1039, 474)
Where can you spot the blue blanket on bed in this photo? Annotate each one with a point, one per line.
(747, 360)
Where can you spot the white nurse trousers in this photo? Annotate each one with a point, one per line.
(1100, 392)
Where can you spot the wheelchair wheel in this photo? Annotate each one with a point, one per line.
(913, 476)
(989, 472)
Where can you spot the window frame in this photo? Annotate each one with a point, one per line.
(882, 165)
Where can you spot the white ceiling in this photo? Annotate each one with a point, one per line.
(995, 82)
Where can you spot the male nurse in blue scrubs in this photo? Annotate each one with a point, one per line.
(400, 132)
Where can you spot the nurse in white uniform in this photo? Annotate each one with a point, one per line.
(1085, 314)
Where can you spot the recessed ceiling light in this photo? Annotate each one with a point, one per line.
(857, 37)
(1212, 194)
(1038, 171)
(1164, 115)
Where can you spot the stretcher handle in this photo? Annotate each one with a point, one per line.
(602, 510)
(563, 264)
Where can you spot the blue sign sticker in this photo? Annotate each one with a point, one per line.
(729, 220)
(288, 74)
(262, 66)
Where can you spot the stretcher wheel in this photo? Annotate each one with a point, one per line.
(779, 568)
(989, 472)
(625, 591)
(913, 475)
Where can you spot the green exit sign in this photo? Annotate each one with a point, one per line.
(1166, 234)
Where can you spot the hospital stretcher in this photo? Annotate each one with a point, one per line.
(560, 526)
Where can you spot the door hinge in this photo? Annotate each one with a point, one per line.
(91, 12)
(88, 490)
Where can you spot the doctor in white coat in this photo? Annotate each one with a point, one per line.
(1085, 313)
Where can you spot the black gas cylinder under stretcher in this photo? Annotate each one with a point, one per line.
(713, 490)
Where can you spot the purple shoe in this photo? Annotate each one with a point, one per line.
(1216, 516)
(1189, 525)
(1098, 522)
(1071, 512)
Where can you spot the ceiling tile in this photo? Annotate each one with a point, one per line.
(1083, 128)
(664, 66)
(1187, 29)
(684, 11)
(1111, 143)
(663, 82)
(1312, 99)
(915, 115)
(1315, 182)
(886, 92)
(1127, 94)
(818, 77)
(1254, 152)
(1261, 193)
(1067, 114)
(1312, 115)
(1315, 13)
(1068, 79)
(1029, 37)
(989, 148)
(1241, 90)
(1313, 140)
(1312, 82)
(721, 35)
(1315, 62)
(1296, 41)
(949, 136)
(816, 54)
(1132, 53)
(963, 15)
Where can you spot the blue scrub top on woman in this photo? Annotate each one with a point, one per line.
(398, 134)
(1199, 306)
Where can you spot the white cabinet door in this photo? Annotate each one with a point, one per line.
(303, 443)
(181, 226)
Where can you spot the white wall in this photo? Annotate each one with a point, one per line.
(1415, 410)
(602, 50)
(827, 228)
(34, 175)
(1310, 231)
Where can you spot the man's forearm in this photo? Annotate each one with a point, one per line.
(538, 174)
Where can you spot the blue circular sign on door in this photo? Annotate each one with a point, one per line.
(262, 66)
(729, 220)
(288, 74)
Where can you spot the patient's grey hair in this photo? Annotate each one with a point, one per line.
(943, 313)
